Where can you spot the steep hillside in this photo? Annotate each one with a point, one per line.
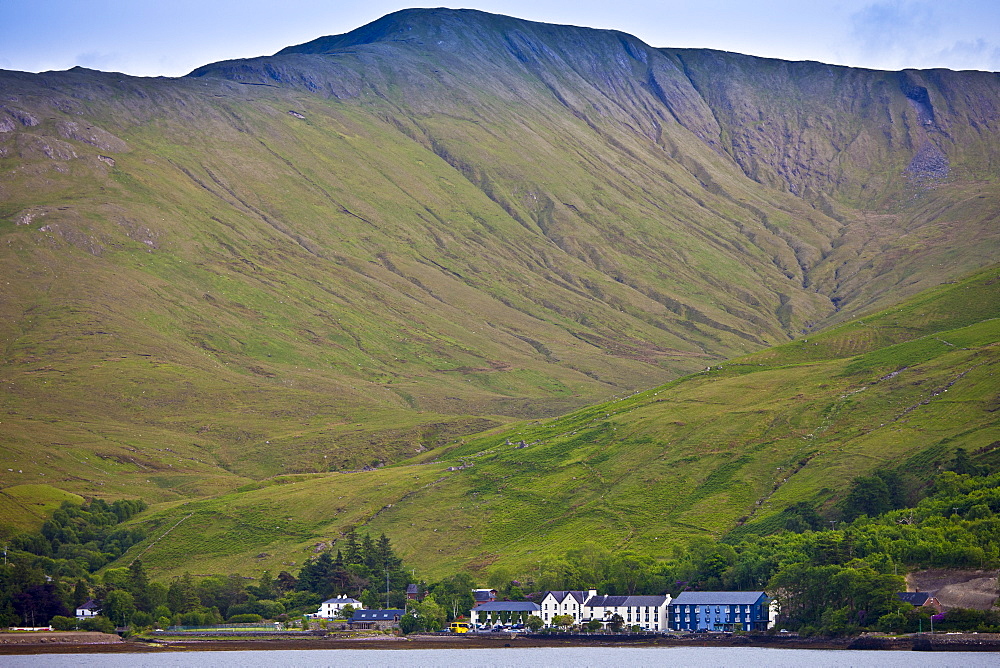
(732, 445)
(374, 244)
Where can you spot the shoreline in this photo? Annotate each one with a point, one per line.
(72, 643)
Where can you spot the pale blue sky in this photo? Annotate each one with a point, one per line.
(172, 37)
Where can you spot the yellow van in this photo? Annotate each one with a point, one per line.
(459, 627)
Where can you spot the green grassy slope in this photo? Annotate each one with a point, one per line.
(371, 246)
(697, 457)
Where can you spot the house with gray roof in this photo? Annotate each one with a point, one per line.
(484, 595)
(564, 603)
(919, 598)
(332, 607)
(502, 612)
(89, 609)
(722, 611)
(375, 619)
(647, 612)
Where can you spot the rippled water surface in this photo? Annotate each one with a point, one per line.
(570, 657)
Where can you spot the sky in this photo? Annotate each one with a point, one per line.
(173, 37)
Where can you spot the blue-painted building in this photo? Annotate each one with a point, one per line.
(720, 611)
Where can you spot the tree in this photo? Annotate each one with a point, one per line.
(81, 593)
(99, 623)
(802, 516)
(563, 621)
(869, 495)
(616, 622)
(265, 588)
(60, 623)
(410, 623)
(38, 604)
(222, 592)
(454, 594)
(156, 595)
(286, 582)
(534, 623)
(594, 625)
(962, 464)
(317, 575)
(182, 595)
(352, 549)
(141, 620)
(431, 614)
(119, 606)
(137, 584)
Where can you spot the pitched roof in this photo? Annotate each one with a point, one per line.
(508, 606)
(560, 596)
(646, 601)
(913, 597)
(340, 599)
(626, 601)
(606, 601)
(719, 598)
(412, 589)
(91, 604)
(482, 595)
(376, 615)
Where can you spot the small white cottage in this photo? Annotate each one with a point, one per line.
(89, 609)
(331, 607)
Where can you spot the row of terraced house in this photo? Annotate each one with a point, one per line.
(690, 611)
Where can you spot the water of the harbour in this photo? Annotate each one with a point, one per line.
(543, 657)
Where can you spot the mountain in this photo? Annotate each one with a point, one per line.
(376, 244)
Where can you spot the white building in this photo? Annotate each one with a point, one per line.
(647, 612)
(331, 607)
(88, 610)
(564, 603)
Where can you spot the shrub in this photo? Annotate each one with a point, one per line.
(60, 623)
(99, 623)
(245, 618)
(141, 620)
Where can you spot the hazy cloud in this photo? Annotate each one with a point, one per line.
(898, 34)
(891, 32)
(970, 55)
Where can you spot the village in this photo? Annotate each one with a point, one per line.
(589, 611)
(689, 612)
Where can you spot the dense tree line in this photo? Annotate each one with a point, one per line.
(38, 569)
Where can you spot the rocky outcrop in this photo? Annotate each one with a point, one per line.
(91, 134)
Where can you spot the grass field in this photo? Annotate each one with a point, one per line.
(647, 471)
